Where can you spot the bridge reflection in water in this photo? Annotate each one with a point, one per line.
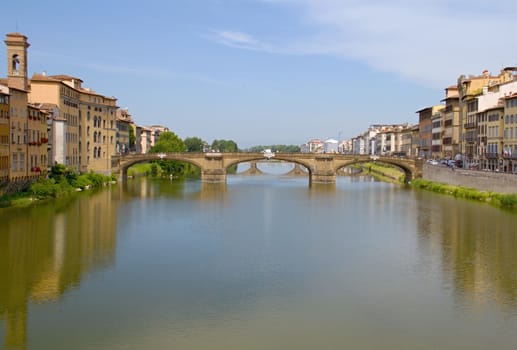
(321, 168)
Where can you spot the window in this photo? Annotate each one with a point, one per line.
(15, 162)
(15, 64)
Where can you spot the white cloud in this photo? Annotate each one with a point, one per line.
(240, 40)
(431, 42)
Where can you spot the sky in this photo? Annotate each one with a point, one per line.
(264, 72)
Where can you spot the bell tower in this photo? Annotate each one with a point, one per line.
(17, 76)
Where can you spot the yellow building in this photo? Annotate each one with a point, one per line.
(4, 134)
(90, 121)
(509, 148)
(469, 88)
(98, 116)
(491, 137)
(17, 82)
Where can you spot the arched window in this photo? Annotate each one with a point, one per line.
(94, 152)
(98, 152)
(15, 63)
(95, 136)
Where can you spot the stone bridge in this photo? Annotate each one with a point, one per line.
(322, 168)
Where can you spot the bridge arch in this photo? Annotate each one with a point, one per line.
(399, 164)
(286, 159)
(143, 158)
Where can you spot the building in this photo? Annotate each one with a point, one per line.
(313, 146)
(4, 134)
(37, 139)
(491, 138)
(87, 119)
(331, 146)
(436, 135)
(469, 89)
(451, 141)
(18, 85)
(426, 130)
(125, 136)
(509, 147)
(146, 139)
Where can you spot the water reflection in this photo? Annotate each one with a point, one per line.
(477, 246)
(46, 250)
(203, 263)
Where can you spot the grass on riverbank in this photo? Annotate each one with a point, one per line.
(500, 200)
(55, 187)
(383, 172)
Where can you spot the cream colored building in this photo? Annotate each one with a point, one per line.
(491, 125)
(89, 120)
(509, 147)
(146, 139)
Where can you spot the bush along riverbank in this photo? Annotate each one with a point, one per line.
(506, 201)
(60, 182)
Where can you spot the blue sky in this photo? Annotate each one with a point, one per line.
(267, 71)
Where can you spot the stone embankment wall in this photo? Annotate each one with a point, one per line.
(479, 180)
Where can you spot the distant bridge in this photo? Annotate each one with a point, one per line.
(322, 168)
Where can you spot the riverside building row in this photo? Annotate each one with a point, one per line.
(46, 120)
(475, 124)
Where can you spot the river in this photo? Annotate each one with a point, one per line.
(263, 262)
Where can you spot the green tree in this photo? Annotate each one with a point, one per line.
(276, 148)
(168, 142)
(194, 144)
(225, 146)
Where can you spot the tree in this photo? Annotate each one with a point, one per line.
(168, 142)
(225, 146)
(276, 148)
(194, 144)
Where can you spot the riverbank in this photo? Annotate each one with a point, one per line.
(500, 200)
(381, 172)
(61, 183)
(392, 174)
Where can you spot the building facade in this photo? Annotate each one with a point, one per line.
(4, 134)
(87, 119)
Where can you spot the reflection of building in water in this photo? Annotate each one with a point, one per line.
(44, 251)
(477, 251)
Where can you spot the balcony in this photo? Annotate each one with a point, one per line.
(491, 155)
(470, 125)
